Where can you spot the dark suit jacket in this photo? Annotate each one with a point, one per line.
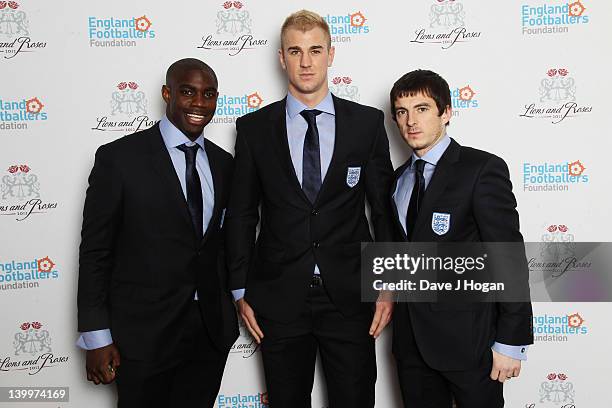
(294, 234)
(140, 262)
(474, 187)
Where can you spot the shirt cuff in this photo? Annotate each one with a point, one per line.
(515, 352)
(94, 339)
(238, 294)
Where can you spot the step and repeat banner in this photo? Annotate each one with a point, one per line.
(528, 83)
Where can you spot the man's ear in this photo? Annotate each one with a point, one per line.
(165, 91)
(281, 58)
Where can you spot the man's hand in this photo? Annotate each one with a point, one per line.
(504, 367)
(382, 315)
(101, 364)
(248, 316)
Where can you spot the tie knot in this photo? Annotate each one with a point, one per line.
(310, 114)
(189, 151)
(420, 165)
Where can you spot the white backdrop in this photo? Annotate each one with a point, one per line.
(527, 85)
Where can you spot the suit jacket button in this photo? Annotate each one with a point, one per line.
(315, 244)
(315, 212)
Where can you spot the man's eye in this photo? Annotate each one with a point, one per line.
(187, 92)
(209, 94)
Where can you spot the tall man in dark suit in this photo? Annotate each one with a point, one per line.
(154, 309)
(310, 160)
(444, 193)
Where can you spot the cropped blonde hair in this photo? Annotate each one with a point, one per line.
(305, 20)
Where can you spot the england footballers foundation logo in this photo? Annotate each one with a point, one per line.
(344, 27)
(128, 110)
(15, 37)
(464, 98)
(27, 274)
(18, 114)
(557, 100)
(258, 400)
(549, 18)
(231, 107)
(448, 25)
(234, 32)
(119, 32)
(554, 176)
(559, 328)
(32, 350)
(343, 87)
(20, 196)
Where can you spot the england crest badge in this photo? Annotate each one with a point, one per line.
(352, 176)
(440, 223)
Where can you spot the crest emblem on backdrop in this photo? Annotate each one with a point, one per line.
(557, 390)
(233, 19)
(32, 339)
(20, 184)
(557, 87)
(342, 88)
(446, 14)
(440, 223)
(13, 22)
(128, 100)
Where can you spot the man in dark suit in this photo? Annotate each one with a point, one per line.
(310, 160)
(450, 193)
(154, 309)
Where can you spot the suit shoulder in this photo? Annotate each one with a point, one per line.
(260, 114)
(218, 150)
(480, 156)
(360, 109)
(129, 143)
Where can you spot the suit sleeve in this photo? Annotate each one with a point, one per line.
(242, 213)
(498, 221)
(378, 180)
(101, 220)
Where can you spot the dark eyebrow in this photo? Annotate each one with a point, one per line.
(187, 86)
(316, 47)
(294, 48)
(422, 104)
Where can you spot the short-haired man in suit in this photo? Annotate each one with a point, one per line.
(154, 309)
(310, 160)
(446, 350)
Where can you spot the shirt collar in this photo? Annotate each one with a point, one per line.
(294, 106)
(433, 156)
(174, 137)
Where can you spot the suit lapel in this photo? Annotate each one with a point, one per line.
(437, 185)
(342, 144)
(282, 147)
(162, 164)
(215, 169)
(398, 173)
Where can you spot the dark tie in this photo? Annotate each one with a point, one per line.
(311, 159)
(416, 198)
(194, 188)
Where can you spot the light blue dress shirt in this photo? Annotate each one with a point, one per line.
(401, 196)
(172, 138)
(296, 134)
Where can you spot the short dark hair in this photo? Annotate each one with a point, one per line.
(422, 81)
(188, 64)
